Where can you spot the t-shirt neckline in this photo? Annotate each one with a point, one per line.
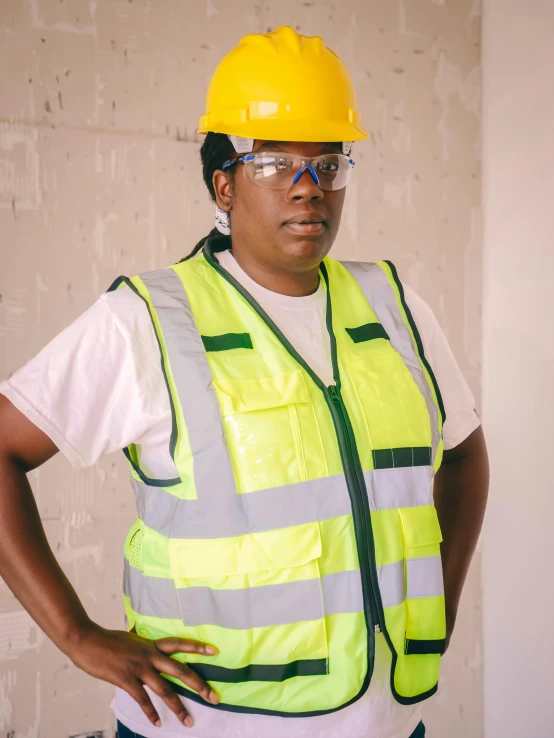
(305, 302)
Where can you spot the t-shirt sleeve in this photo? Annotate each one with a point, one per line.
(84, 389)
(459, 403)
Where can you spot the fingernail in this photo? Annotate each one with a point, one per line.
(188, 721)
(213, 698)
(158, 723)
(211, 650)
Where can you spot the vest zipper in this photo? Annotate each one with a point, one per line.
(358, 495)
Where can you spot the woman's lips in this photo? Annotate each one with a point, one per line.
(305, 229)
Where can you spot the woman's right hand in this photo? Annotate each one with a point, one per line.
(130, 662)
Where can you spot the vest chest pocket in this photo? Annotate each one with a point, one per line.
(425, 614)
(393, 407)
(258, 597)
(271, 431)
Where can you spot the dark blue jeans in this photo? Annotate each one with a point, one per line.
(123, 732)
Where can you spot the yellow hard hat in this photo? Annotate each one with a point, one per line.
(282, 86)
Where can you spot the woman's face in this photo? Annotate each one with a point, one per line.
(266, 224)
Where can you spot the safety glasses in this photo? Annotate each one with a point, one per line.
(279, 170)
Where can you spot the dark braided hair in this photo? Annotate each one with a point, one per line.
(215, 151)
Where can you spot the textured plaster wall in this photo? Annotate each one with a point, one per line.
(99, 176)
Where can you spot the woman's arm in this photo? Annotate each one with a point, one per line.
(461, 489)
(31, 571)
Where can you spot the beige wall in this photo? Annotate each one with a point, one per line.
(518, 356)
(99, 176)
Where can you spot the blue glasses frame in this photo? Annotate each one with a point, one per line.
(238, 160)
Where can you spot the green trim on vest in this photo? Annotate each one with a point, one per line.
(262, 672)
(390, 458)
(367, 332)
(227, 342)
(421, 647)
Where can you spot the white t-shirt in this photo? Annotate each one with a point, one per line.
(98, 387)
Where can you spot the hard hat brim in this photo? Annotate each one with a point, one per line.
(287, 130)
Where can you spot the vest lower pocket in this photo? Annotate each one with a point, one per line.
(420, 647)
(425, 621)
(258, 599)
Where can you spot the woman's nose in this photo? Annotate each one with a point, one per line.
(305, 185)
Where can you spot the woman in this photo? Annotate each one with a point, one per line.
(283, 423)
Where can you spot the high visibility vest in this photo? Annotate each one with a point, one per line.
(298, 521)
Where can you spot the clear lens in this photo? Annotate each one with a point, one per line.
(331, 175)
(277, 171)
(271, 166)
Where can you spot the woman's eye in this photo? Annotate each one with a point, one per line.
(282, 164)
(328, 165)
(272, 164)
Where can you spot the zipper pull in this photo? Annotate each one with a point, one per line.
(377, 628)
(334, 393)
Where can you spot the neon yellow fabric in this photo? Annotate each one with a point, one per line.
(282, 86)
(279, 432)
(267, 551)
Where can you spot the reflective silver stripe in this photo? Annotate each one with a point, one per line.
(213, 472)
(236, 515)
(391, 583)
(152, 596)
(280, 507)
(128, 581)
(279, 604)
(408, 486)
(425, 577)
(342, 592)
(255, 607)
(383, 300)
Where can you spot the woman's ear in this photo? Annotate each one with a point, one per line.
(223, 189)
